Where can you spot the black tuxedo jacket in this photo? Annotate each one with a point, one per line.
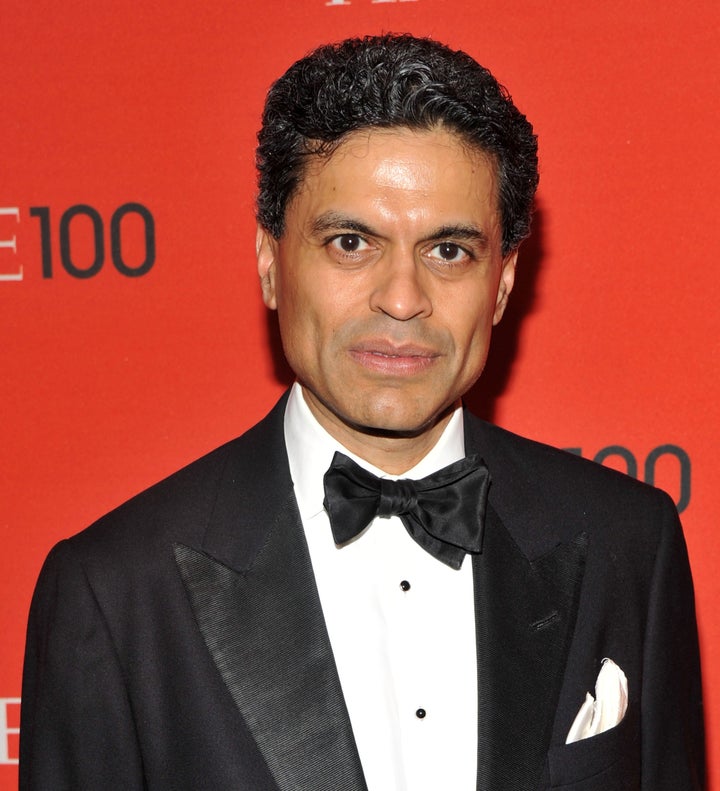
(179, 642)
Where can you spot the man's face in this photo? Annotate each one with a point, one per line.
(388, 279)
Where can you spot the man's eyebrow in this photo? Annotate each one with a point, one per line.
(335, 221)
(469, 233)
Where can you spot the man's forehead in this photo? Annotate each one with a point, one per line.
(396, 160)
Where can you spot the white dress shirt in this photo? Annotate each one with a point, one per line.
(401, 625)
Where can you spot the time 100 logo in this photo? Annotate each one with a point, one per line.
(103, 236)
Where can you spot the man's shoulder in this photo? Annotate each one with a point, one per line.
(179, 507)
(546, 492)
(540, 464)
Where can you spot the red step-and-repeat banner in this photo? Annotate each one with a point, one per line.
(132, 334)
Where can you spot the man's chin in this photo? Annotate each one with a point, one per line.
(379, 417)
(391, 424)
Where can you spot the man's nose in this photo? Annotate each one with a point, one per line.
(400, 290)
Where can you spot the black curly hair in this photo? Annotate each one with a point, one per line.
(393, 80)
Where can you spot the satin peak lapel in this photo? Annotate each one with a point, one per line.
(265, 631)
(525, 613)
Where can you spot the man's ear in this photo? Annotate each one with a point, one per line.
(266, 251)
(507, 280)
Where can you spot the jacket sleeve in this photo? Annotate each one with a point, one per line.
(673, 745)
(77, 729)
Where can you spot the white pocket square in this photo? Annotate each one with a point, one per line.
(606, 709)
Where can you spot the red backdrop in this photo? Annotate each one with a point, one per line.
(133, 338)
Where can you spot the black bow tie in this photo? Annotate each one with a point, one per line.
(444, 512)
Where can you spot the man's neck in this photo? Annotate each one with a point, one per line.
(395, 454)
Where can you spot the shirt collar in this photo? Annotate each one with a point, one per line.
(310, 450)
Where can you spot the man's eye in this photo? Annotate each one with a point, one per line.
(349, 243)
(450, 252)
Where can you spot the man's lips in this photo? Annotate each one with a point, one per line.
(390, 358)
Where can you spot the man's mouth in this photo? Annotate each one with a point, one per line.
(403, 359)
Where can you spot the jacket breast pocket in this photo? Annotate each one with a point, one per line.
(606, 762)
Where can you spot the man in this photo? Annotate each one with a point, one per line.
(516, 619)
